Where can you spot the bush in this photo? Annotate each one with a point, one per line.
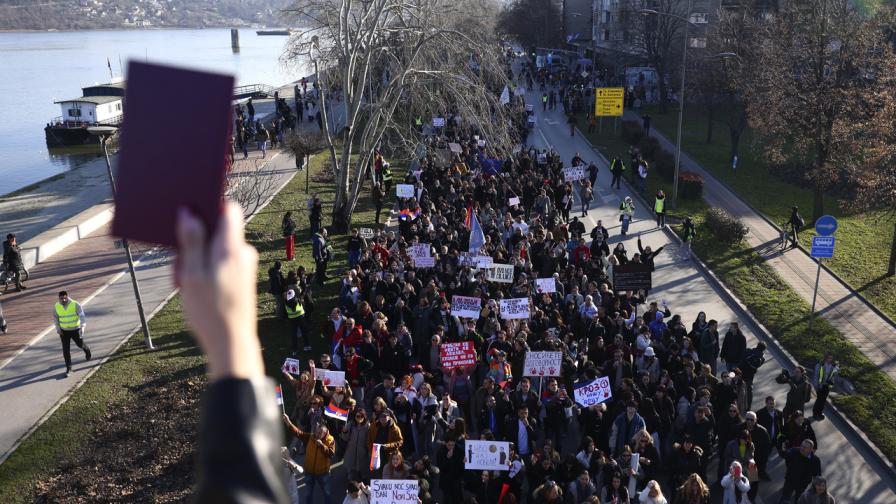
(690, 185)
(632, 133)
(664, 162)
(724, 227)
(649, 148)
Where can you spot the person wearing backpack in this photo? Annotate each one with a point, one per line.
(796, 223)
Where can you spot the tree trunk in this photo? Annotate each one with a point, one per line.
(891, 269)
(709, 118)
(817, 203)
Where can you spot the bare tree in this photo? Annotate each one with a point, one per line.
(816, 64)
(390, 62)
(657, 27)
(532, 23)
(251, 186)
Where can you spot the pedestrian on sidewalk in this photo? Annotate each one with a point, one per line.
(262, 136)
(572, 120)
(12, 260)
(379, 196)
(688, 233)
(645, 119)
(626, 213)
(250, 108)
(70, 321)
(642, 176)
(800, 389)
(617, 167)
(2, 321)
(802, 467)
(289, 235)
(544, 102)
(826, 372)
(592, 173)
(587, 196)
(322, 253)
(796, 223)
(659, 207)
(592, 123)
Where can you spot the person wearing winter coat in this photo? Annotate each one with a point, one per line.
(708, 345)
(693, 491)
(802, 466)
(817, 493)
(357, 454)
(652, 494)
(686, 459)
(799, 393)
(735, 486)
(734, 347)
(625, 426)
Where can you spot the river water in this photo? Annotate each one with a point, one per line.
(42, 67)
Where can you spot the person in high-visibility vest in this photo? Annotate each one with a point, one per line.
(616, 168)
(626, 214)
(387, 176)
(659, 207)
(70, 322)
(295, 312)
(826, 372)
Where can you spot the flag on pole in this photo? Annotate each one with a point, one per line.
(279, 396)
(477, 237)
(468, 220)
(375, 460)
(336, 412)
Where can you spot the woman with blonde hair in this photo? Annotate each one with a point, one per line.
(652, 494)
(693, 491)
(735, 485)
(396, 468)
(648, 456)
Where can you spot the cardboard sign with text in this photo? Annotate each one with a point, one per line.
(594, 392)
(515, 308)
(465, 306)
(457, 354)
(545, 285)
(487, 455)
(501, 273)
(542, 363)
(330, 378)
(394, 491)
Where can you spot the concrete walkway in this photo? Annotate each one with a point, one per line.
(874, 335)
(687, 292)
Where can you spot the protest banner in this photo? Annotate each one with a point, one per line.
(455, 148)
(632, 277)
(513, 201)
(404, 191)
(484, 261)
(542, 363)
(464, 306)
(457, 354)
(467, 259)
(419, 250)
(487, 455)
(330, 378)
(594, 392)
(424, 262)
(480, 143)
(394, 491)
(366, 233)
(516, 308)
(438, 122)
(545, 285)
(574, 173)
(501, 273)
(290, 366)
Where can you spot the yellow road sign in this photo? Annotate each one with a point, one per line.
(608, 101)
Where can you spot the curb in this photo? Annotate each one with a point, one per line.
(774, 346)
(68, 232)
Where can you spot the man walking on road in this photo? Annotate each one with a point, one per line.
(70, 322)
(12, 260)
(823, 380)
(616, 168)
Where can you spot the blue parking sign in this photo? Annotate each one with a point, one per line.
(823, 247)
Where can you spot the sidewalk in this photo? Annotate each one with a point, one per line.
(873, 335)
(687, 291)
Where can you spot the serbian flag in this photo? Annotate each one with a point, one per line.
(375, 459)
(409, 214)
(279, 392)
(468, 220)
(336, 412)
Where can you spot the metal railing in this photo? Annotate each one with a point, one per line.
(253, 90)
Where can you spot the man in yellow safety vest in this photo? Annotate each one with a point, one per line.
(659, 206)
(295, 312)
(70, 322)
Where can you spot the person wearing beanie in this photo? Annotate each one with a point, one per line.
(817, 493)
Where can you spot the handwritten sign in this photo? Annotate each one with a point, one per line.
(632, 277)
(366, 233)
(546, 285)
(594, 392)
(454, 147)
(330, 378)
(404, 191)
(480, 143)
(574, 173)
(457, 354)
(484, 261)
(487, 455)
(516, 308)
(394, 491)
(424, 262)
(464, 306)
(501, 273)
(418, 251)
(291, 366)
(438, 122)
(513, 201)
(542, 363)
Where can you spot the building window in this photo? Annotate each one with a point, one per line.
(698, 42)
(74, 112)
(699, 18)
(606, 35)
(117, 106)
(606, 16)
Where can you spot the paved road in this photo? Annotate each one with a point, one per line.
(33, 383)
(873, 334)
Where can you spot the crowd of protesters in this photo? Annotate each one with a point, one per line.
(681, 423)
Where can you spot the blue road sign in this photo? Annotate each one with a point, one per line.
(826, 225)
(823, 247)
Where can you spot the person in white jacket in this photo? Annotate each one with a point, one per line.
(735, 485)
(652, 494)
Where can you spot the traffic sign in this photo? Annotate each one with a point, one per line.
(608, 101)
(823, 246)
(826, 225)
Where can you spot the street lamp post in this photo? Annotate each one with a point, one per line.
(684, 70)
(105, 132)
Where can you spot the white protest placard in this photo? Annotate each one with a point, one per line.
(454, 147)
(513, 201)
(484, 261)
(465, 306)
(501, 273)
(330, 378)
(424, 262)
(394, 491)
(366, 233)
(516, 308)
(467, 259)
(438, 122)
(487, 455)
(290, 366)
(594, 392)
(545, 285)
(452, 355)
(418, 251)
(574, 173)
(542, 363)
(404, 191)
(528, 107)
(480, 143)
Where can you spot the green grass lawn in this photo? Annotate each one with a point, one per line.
(784, 313)
(863, 240)
(57, 443)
